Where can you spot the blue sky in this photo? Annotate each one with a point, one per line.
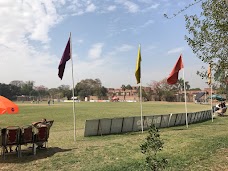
(105, 38)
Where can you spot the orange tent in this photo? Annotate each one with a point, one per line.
(7, 106)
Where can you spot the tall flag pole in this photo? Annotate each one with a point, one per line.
(74, 115)
(185, 101)
(173, 78)
(67, 54)
(210, 86)
(138, 79)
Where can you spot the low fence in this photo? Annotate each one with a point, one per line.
(108, 126)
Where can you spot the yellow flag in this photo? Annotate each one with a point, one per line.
(209, 75)
(138, 66)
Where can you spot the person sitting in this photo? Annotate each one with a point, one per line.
(42, 123)
(221, 109)
(224, 107)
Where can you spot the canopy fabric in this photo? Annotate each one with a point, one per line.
(7, 106)
(217, 97)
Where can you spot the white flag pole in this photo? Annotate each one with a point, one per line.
(73, 89)
(140, 90)
(210, 86)
(185, 99)
(141, 104)
(211, 105)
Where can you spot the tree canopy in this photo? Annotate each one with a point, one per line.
(208, 36)
(90, 87)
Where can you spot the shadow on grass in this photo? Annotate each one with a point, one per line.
(183, 127)
(223, 115)
(27, 155)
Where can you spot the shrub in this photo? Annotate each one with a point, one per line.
(152, 145)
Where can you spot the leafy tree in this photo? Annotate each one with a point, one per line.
(54, 93)
(102, 92)
(9, 91)
(146, 95)
(123, 87)
(34, 93)
(42, 91)
(208, 37)
(65, 91)
(163, 91)
(180, 84)
(14, 91)
(90, 87)
(182, 10)
(17, 83)
(128, 87)
(152, 145)
(27, 88)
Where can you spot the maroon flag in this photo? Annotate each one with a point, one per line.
(66, 56)
(173, 77)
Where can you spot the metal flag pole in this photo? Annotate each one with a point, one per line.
(210, 86)
(185, 99)
(141, 105)
(73, 88)
(140, 98)
(211, 105)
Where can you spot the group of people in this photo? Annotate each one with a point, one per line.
(220, 108)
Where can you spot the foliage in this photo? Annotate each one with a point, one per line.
(184, 9)
(17, 83)
(146, 94)
(27, 88)
(180, 84)
(42, 91)
(123, 87)
(163, 91)
(151, 147)
(129, 87)
(208, 37)
(9, 91)
(101, 92)
(65, 91)
(90, 87)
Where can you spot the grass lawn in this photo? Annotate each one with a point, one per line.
(203, 146)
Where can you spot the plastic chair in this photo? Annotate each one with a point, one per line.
(50, 123)
(27, 137)
(1, 141)
(41, 136)
(12, 138)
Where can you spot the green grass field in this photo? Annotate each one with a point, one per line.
(202, 146)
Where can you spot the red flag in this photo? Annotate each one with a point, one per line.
(173, 77)
(66, 56)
